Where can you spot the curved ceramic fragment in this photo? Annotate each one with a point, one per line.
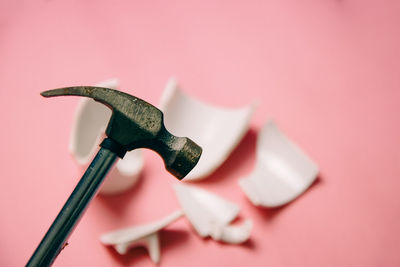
(211, 215)
(217, 130)
(233, 234)
(144, 235)
(91, 119)
(283, 171)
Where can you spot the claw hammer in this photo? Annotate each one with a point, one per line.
(134, 124)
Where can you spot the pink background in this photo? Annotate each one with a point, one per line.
(327, 71)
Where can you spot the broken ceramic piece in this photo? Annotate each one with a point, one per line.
(217, 130)
(144, 235)
(232, 234)
(211, 215)
(282, 173)
(91, 119)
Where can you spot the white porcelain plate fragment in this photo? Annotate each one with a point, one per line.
(217, 130)
(91, 119)
(143, 235)
(211, 215)
(283, 171)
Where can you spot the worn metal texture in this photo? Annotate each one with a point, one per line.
(137, 124)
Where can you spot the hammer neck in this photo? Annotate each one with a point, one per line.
(114, 146)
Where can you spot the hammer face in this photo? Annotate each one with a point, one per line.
(185, 155)
(186, 159)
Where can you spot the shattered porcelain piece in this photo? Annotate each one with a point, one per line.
(211, 215)
(217, 130)
(144, 235)
(232, 234)
(282, 173)
(91, 119)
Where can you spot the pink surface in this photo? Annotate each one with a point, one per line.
(326, 71)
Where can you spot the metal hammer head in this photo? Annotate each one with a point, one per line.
(137, 124)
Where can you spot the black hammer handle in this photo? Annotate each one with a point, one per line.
(56, 237)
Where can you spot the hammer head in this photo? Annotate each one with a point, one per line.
(137, 124)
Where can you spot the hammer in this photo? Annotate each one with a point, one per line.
(134, 124)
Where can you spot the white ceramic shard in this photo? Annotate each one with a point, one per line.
(283, 171)
(144, 235)
(217, 130)
(231, 233)
(211, 215)
(91, 119)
